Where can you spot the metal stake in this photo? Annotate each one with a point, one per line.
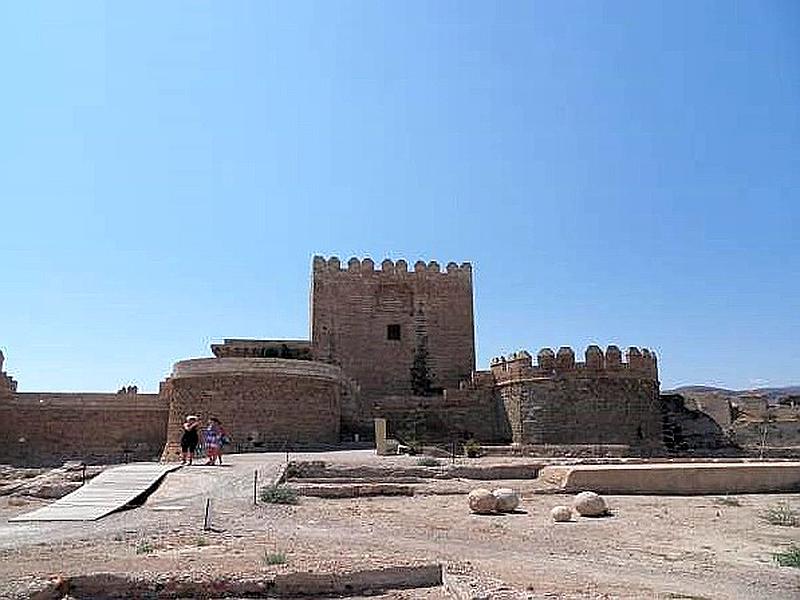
(255, 487)
(205, 519)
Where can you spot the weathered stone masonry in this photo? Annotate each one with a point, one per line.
(7, 385)
(385, 341)
(603, 400)
(50, 428)
(46, 428)
(377, 323)
(265, 403)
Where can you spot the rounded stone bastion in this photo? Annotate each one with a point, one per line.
(262, 403)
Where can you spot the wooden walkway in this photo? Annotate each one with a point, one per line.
(106, 493)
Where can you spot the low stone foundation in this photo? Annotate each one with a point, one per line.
(677, 479)
(113, 586)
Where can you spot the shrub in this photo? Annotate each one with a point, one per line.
(728, 501)
(144, 547)
(428, 461)
(789, 557)
(781, 514)
(414, 446)
(274, 558)
(278, 494)
(472, 448)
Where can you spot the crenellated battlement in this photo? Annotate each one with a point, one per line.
(637, 363)
(388, 267)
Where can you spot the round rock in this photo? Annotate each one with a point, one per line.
(482, 501)
(561, 514)
(589, 504)
(507, 499)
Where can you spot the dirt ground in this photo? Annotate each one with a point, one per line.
(651, 546)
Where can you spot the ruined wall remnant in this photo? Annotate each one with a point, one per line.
(7, 384)
(602, 400)
(394, 331)
(688, 429)
(263, 403)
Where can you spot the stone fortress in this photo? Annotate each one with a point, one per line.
(387, 340)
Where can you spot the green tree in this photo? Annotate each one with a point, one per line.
(420, 373)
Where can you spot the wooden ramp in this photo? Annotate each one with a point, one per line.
(106, 493)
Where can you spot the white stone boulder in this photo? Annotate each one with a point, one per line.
(507, 499)
(561, 514)
(482, 501)
(589, 504)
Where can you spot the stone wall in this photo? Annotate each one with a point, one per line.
(295, 349)
(263, 403)
(472, 411)
(688, 429)
(778, 427)
(718, 408)
(603, 400)
(7, 384)
(50, 428)
(378, 323)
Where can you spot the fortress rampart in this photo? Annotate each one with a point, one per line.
(264, 403)
(396, 331)
(638, 364)
(603, 400)
(388, 267)
(45, 428)
(390, 339)
(471, 411)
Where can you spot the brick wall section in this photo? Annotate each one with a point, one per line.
(601, 401)
(263, 403)
(50, 428)
(352, 307)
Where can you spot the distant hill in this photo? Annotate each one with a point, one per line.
(773, 394)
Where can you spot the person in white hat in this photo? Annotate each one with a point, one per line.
(189, 438)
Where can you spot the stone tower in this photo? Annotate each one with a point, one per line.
(393, 331)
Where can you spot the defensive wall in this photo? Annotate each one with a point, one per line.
(395, 331)
(43, 428)
(470, 411)
(386, 340)
(603, 400)
(264, 403)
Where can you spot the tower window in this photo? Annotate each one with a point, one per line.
(393, 332)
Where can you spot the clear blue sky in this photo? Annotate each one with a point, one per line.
(621, 172)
